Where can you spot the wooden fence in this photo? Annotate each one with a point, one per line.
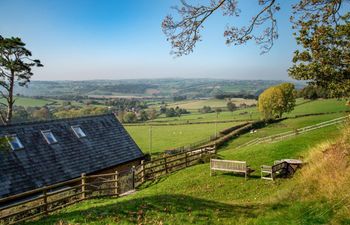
(193, 146)
(172, 163)
(42, 201)
(281, 136)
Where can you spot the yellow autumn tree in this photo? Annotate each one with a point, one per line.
(275, 101)
(289, 96)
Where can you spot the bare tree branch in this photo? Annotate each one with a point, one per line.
(183, 29)
(183, 35)
(239, 36)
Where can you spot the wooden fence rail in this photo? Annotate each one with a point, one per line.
(42, 201)
(283, 135)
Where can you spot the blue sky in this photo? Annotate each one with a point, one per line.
(91, 39)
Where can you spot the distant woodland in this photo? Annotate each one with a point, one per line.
(182, 88)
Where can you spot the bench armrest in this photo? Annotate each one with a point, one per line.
(266, 167)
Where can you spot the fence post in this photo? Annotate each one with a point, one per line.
(116, 191)
(186, 159)
(45, 202)
(165, 164)
(142, 171)
(83, 181)
(133, 177)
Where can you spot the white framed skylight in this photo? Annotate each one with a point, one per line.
(49, 137)
(14, 142)
(78, 131)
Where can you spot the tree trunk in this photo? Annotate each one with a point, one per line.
(10, 100)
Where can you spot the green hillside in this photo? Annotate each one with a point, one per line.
(191, 196)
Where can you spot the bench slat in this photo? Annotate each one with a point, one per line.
(230, 170)
(228, 165)
(230, 161)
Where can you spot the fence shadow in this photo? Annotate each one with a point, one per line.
(231, 174)
(155, 181)
(166, 208)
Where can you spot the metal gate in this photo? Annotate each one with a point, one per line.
(126, 181)
(110, 184)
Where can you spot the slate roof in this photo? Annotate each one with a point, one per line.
(106, 144)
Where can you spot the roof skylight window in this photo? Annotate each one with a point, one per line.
(14, 142)
(78, 131)
(49, 137)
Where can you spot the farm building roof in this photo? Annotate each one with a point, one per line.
(40, 160)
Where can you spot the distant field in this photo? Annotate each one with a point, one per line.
(168, 137)
(214, 103)
(302, 107)
(26, 102)
(249, 113)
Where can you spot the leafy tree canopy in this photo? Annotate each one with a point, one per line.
(15, 67)
(276, 100)
(325, 58)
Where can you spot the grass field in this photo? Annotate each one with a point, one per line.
(169, 137)
(214, 103)
(302, 107)
(30, 102)
(249, 113)
(319, 106)
(191, 196)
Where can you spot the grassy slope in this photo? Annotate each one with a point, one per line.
(283, 126)
(191, 196)
(168, 137)
(319, 106)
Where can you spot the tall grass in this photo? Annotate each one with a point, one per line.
(326, 177)
(328, 167)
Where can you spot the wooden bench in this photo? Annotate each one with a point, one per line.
(270, 172)
(230, 166)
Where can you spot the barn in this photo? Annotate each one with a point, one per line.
(49, 152)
